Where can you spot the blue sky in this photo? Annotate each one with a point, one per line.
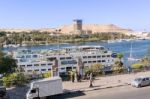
(133, 14)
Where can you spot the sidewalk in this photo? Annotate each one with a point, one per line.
(103, 82)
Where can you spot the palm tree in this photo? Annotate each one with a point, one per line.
(118, 65)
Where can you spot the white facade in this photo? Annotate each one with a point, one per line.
(32, 62)
(65, 59)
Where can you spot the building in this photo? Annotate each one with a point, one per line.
(77, 24)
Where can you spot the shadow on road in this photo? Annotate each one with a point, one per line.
(67, 95)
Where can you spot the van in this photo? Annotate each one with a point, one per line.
(45, 87)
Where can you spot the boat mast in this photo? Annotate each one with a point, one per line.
(131, 50)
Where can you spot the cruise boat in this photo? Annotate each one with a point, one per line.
(65, 59)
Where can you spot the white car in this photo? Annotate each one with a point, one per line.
(140, 81)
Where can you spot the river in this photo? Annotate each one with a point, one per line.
(139, 47)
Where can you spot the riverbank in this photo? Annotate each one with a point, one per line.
(104, 82)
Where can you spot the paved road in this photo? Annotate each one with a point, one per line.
(125, 92)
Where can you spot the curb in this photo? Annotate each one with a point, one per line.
(93, 89)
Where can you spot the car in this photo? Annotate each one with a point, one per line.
(140, 82)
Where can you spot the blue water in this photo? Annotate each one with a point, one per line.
(139, 48)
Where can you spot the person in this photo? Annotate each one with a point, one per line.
(129, 70)
(91, 79)
(72, 76)
(79, 77)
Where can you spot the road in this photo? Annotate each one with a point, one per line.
(124, 92)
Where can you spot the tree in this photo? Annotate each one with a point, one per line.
(7, 64)
(120, 56)
(14, 79)
(95, 69)
(118, 65)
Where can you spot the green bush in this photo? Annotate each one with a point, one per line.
(14, 79)
(137, 66)
(46, 75)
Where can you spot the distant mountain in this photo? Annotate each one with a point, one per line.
(68, 29)
(96, 28)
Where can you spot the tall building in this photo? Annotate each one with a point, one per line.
(77, 23)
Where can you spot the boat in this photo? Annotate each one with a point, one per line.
(66, 59)
(131, 58)
(111, 41)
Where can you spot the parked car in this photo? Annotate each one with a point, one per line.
(140, 82)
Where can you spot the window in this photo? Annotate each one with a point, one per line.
(33, 91)
(22, 65)
(85, 62)
(84, 56)
(108, 55)
(49, 64)
(35, 56)
(49, 69)
(89, 61)
(62, 58)
(103, 56)
(94, 61)
(144, 79)
(89, 56)
(43, 64)
(72, 62)
(94, 56)
(74, 67)
(98, 56)
(36, 64)
(64, 62)
(99, 61)
(28, 56)
(147, 78)
(43, 69)
(103, 60)
(36, 70)
(68, 57)
(62, 68)
(29, 65)
(29, 71)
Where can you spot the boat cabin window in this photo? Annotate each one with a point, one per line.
(62, 58)
(68, 57)
(103, 56)
(84, 56)
(94, 56)
(98, 56)
(35, 56)
(28, 56)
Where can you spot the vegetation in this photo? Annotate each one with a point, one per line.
(46, 75)
(95, 69)
(145, 62)
(137, 66)
(118, 66)
(7, 64)
(14, 79)
(37, 37)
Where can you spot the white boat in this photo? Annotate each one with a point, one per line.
(66, 59)
(111, 41)
(131, 57)
(11, 45)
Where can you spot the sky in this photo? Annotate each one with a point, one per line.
(134, 14)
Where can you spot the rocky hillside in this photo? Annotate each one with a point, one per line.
(68, 29)
(96, 28)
